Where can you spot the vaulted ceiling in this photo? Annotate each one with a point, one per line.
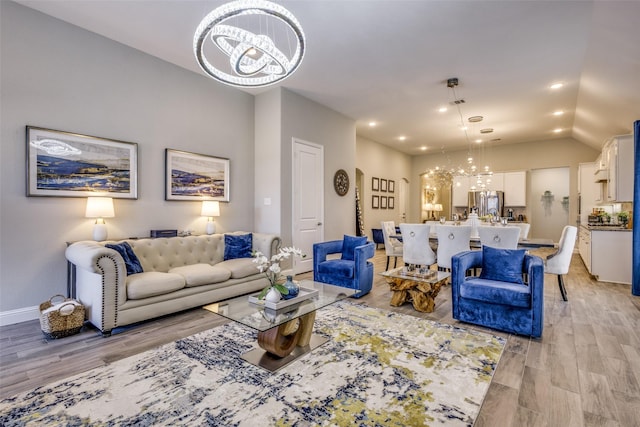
(388, 61)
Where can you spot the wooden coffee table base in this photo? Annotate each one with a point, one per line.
(421, 294)
(285, 343)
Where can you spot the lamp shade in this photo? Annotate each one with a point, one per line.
(437, 207)
(99, 207)
(210, 208)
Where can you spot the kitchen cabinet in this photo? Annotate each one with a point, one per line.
(607, 253)
(590, 191)
(497, 182)
(514, 185)
(515, 188)
(460, 191)
(584, 247)
(619, 154)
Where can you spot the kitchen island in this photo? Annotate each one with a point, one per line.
(606, 252)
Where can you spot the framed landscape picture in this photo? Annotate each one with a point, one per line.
(65, 164)
(191, 176)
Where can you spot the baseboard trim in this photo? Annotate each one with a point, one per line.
(25, 314)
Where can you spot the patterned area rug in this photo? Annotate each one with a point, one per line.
(378, 369)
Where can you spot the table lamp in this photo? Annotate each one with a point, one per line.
(210, 208)
(99, 208)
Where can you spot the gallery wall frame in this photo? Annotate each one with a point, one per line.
(383, 202)
(383, 185)
(375, 184)
(391, 204)
(193, 176)
(66, 164)
(392, 186)
(375, 202)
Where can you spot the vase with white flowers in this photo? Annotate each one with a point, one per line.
(271, 268)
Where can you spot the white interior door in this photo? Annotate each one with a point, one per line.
(308, 201)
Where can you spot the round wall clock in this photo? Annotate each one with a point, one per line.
(341, 182)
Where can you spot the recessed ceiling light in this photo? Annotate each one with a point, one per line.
(463, 128)
(556, 86)
(402, 137)
(475, 119)
(442, 109)
(486, 130)
(478, 141)
(557, 130)
(558, 113)
(423, 148)
(372, 124)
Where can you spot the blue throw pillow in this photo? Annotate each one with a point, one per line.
(504, 265)
(238, 246)
(130, 259)
(349, 244)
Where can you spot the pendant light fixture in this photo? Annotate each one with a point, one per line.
(253, 43)
(480, 178)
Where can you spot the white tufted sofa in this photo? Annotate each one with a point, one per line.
(179, 273)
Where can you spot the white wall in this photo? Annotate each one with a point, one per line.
(312, 122)
(268, 166)
(58, 76)
(380, 161)
(565, 152)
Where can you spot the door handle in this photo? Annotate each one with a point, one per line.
(319, 223)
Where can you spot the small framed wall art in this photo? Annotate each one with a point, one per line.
(191, 176)
(375, 202)
(383, 185)
(391, 204)
(383, 202)
(375, 184)
(66, 164)
(392, 186)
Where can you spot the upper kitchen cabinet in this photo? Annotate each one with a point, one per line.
(460, 191)
(497, 182)
(619, 154)
(515, 188)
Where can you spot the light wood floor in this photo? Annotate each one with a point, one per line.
(585, 371)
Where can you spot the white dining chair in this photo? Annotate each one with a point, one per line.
(558, 262)
(524, 229)
(452, 239)
(416, 247)
(499, 236)
(392, 247)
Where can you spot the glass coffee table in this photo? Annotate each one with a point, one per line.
(284, 334)
(420, 287)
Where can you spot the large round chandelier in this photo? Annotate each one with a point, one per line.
(247, 43)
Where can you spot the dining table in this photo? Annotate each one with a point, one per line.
(530, 243)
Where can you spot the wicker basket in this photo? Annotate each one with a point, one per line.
(66, 320)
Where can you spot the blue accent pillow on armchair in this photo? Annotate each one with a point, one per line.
(130, 259)
(504, 265)
(238, 246)
(349, 244)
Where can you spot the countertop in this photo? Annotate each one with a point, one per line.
(606, 228)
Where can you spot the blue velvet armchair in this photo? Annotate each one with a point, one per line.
(351, 270)
(510, 303)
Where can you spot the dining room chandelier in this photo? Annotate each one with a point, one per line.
(480, 178)
(249, 43)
